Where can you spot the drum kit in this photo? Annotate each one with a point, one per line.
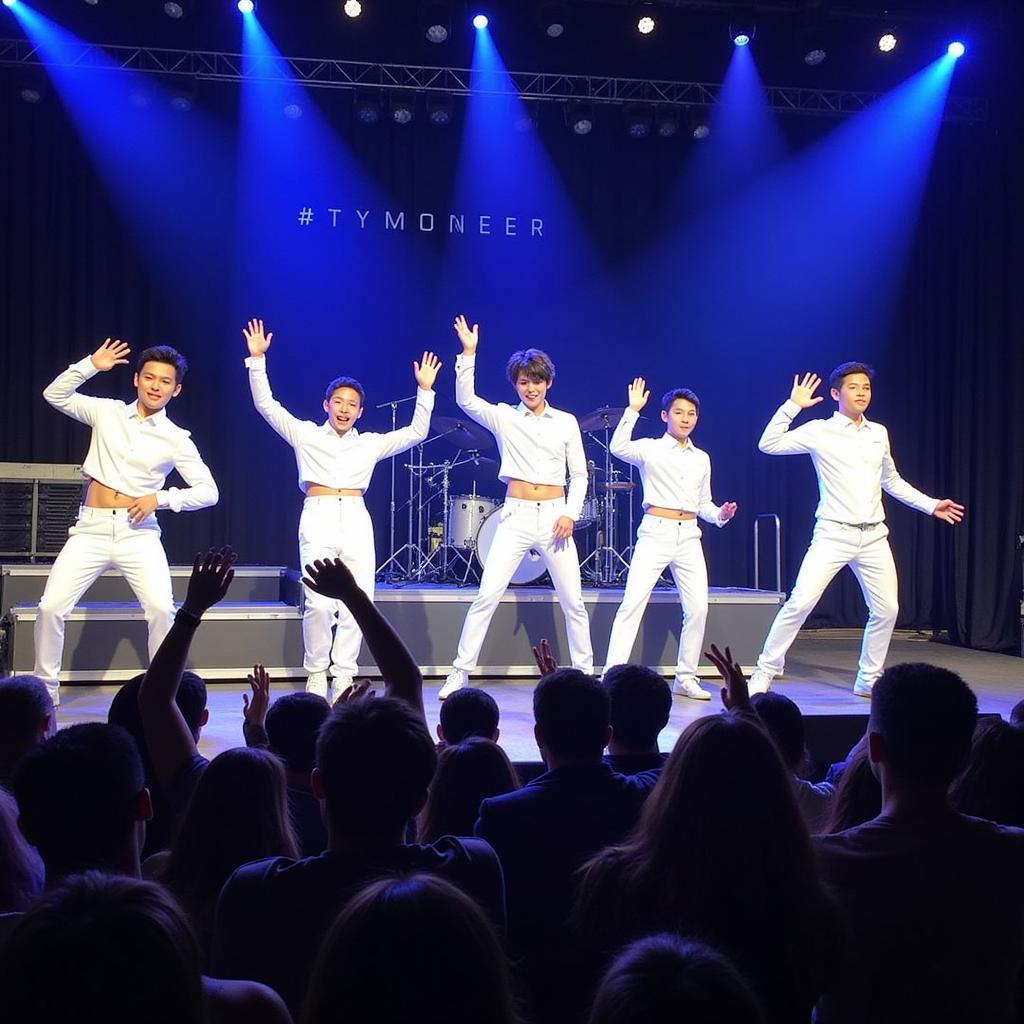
(451, 533)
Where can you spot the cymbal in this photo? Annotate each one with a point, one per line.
(615, 485)
(600, 419)
(475, 460)
(462, 433)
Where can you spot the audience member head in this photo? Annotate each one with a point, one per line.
(102, 949)
(468, 712)
(785, 725)
(293, 722)
(858, 795)
(571, 717)
(374, 763)
(992, 784)
(640, 702)
(238, 813)
(389, 958)
(467, 773)
(1017, 715)
(921, 725)
(190, 698)
(665, 979)
(83, 801)
(27, 717)
(21, 870)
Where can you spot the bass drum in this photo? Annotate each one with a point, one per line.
(532, 566)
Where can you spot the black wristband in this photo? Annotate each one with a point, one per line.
(186, 617)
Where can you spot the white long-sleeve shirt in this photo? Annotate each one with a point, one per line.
(323, 455)
(130, 453)
(673, 475)
(853, 463)
(533, 448)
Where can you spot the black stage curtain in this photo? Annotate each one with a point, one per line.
(953, 366)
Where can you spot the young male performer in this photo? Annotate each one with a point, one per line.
(676, 477)
(536, 442)
(133, 448)
(335, 464)
(854, 465)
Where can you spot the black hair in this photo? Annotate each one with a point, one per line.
(785, 725)
(469, 712)
(640, 701)
(163, 354)
(532, 363)
(843, 370)
(675, 394)
(573, 712)
(345, 382)
(293, 722)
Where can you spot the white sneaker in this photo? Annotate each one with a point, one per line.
(339, 684)
(53, 689)
(317, 683)
(759, 682)
(457, 679)
(690, 688)
(863, 689)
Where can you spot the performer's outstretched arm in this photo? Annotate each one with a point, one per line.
(622, 445)
(62, 392)
(466, 397)
(777, 438)
(394, 441)
(945, 509)
(279, 418)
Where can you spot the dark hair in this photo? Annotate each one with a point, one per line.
(385, 745)
(78, 796)
(843, 370)
(163, 354)
(469, 712)
(467, 773)
(125, 954)
(238, 813)
(572, 711)
(21, 870)
(388, 958)
(675, 394)
(531, 363)
(24, 703)
(665, 979)
(293, 722)
(640, 703)
(858, 796)
(785, 725)
(992, 784)
(926, 716)
(190, 697)
(1017, 714)
(345, 382)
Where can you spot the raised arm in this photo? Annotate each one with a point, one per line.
(168, 737)
(622, 445)
(62, 392)
(892, 483)
(777, 438)
(401, 674)
(466, 397)
(279, 418)
(396, 441)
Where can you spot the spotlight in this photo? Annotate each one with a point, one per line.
(580, 117)
(645, 25)
(292, 111)
(353, 8)
(480, 21)
(887, 41)
(697, 124)
(32, 86)
(247, 6)
(956, 49)
(368, 107)
(436, 21)
(174, 10)
(91, 3)
(403, 106)
(141, 95)
(553, 18)
(667, 122)
(813, 46)
(182, 91)
(29, 93)
(638, 122)
(741, 33)
(440, 110)
(10, 3)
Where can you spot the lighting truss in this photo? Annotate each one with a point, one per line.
(315, 72)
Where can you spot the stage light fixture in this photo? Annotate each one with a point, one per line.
(887, 42)
(10, 3)
(645, 25)
(403, 107)
(813, 44)
(480, 21)
(91, 3)
(293, 111)
(638, 121)
(246, 6)
(352, 8)
(525, 117)
(667, 121)
(368, 107)
(174, 10)
(580, 118)
(741, 33)
(436, 21)
(183, 93)
(697, 124)
(553, 19)
(956, 49)
(440, 110)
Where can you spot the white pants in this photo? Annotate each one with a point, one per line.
(525, 525)
(334, 526)
(103, 538)
(866, 551)
(661, 543)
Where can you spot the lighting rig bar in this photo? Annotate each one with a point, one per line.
(319, 73)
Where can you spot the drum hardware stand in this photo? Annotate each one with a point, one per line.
(605, 566)
(395, 575)
(448, 554)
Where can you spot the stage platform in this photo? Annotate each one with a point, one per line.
(260, 621)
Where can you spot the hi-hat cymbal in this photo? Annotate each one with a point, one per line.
(615, 485)
(474, 460)
(462, 433)
(601, 419)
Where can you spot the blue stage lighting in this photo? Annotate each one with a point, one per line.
(956, 49)
(741, 39)
(247, 6)
(10, 3)
(887, 42)
(480, 21)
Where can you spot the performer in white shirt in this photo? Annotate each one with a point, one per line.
(133, 448)
(854, 465)
(335, 463)
(676, 477)
(536, 442)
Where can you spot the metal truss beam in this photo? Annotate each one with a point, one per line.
(344, 74)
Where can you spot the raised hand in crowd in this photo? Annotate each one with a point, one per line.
(735, 695)
(545, 658)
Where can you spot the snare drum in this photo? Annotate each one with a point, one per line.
(529, 569)
(465, 514)
(590, 515)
